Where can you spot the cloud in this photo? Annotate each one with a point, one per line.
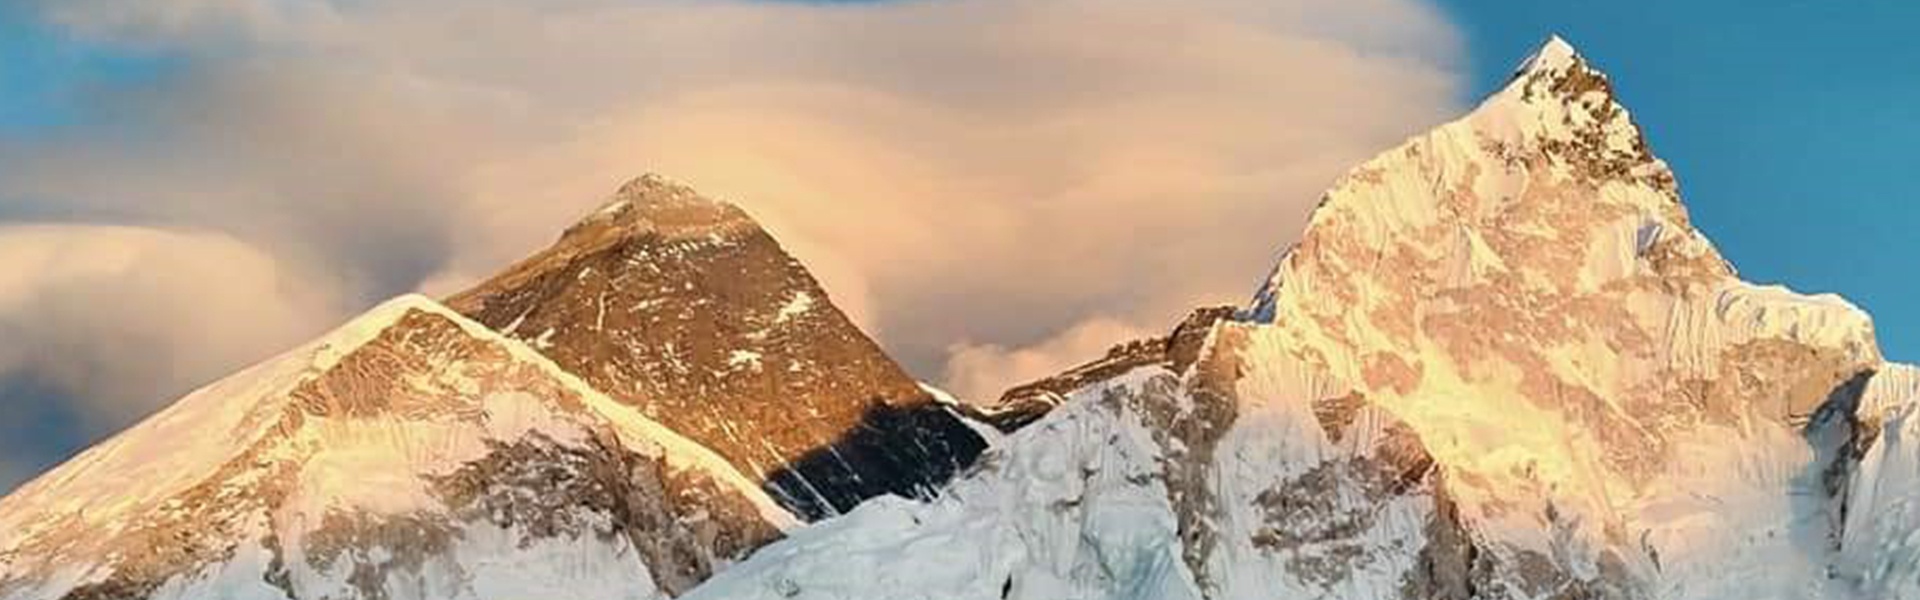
(982, 371)
(105, 315)
(994, 187)
(103, 324)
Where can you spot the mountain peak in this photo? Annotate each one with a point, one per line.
(1498, 363)
(1537, 253)
(1561, 108)
(410, 413)
(651, 181)
(654, 203)
(1558, 71)
(1555, 55)
(680, 306)
(654, 191)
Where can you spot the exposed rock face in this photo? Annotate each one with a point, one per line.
(682, 307)
(1500, 364)
(410, 454)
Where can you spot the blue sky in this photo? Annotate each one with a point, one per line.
(45, 74)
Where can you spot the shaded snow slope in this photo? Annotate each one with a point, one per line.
(1880, 543)
(1072, 507)
(1152, 484)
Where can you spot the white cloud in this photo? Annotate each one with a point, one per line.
(109, 316)
(980, 372)
(1033, 178)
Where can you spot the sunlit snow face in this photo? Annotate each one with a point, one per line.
(1523, 288)
(409, 443)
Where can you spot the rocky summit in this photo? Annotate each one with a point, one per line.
(1500, 364)
(684, 308)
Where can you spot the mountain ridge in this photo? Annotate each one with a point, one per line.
(1500, 363)
(366, 463)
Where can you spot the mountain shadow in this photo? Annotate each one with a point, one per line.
(908, 451)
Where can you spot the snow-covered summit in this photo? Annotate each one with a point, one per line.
(135, 471)
(1524, 289)
(1555, 54)
(1558, 73)
(1499, 363)
(410, 453)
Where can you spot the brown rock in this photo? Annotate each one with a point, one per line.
(683, 307)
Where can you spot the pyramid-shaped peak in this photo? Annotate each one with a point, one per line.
(681, 307)
(1554, 55)
(409, 409)
(1559, 104)
(654, 187)
(1555, 133)
(166, 454)
(1557, 71)
(654, 203)
(359, 330)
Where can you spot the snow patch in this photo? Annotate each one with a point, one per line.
(795, 307)
(744, 358)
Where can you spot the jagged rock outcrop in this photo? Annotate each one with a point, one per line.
(411, 453)
(1176, 351)
(1500, 363)
(684, 308)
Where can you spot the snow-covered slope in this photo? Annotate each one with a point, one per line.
(1125, 488)
(1500, 363)
(684, 308)
(1522, 287)
(411, 453)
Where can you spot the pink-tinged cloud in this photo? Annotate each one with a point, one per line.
(104, 316)
(996, 188)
